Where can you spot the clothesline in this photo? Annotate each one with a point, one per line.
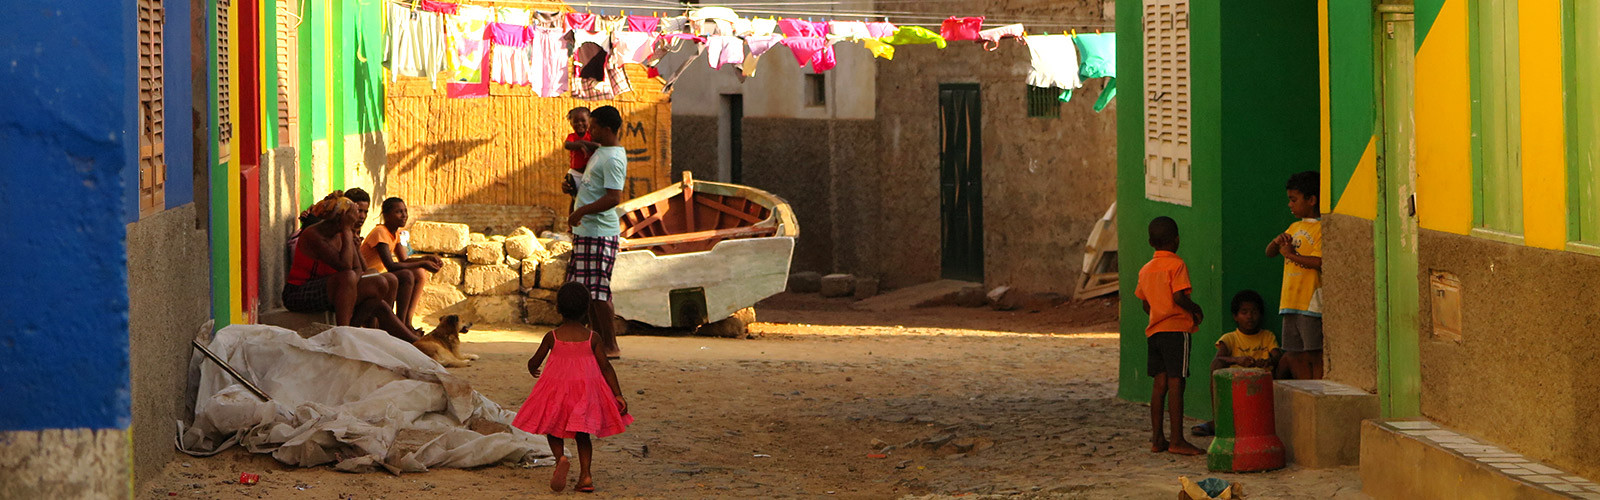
(583, 52)
(1063, 25)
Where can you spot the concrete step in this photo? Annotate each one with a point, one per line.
(1319, 421)
(1418, 459)
(923, 295)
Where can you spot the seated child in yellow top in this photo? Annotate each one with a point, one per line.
(1248, 346)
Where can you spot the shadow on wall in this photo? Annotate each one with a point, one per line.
(369, 96)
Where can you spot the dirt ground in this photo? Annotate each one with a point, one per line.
(974, 402)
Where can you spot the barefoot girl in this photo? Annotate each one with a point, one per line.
(578, 395)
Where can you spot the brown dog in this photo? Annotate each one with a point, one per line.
(443, 344)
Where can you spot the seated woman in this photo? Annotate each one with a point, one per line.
(325, 273)
(386, 249)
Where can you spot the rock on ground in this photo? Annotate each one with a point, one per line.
(485, 252)
(838, 285)
(865, 288)
(494, 279)
(805, 282)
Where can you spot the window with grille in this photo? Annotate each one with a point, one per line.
(1044, 102)
(288, 45)
(152, 146)
(1166, 105)
(224, 84)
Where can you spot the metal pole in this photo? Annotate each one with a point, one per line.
(231, 371)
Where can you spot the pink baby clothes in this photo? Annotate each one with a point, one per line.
(510, 54)
(760, 44)
(440, 7)
(961, 28)
(722, 49)
(547, 60)
(880, 30)
(801, 28)
(580, 21)
(991, 37)
(643, 24)
(814, 50)
(634, 47)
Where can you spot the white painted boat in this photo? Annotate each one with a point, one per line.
(696, 252)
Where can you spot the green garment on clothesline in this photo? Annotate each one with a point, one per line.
(908, 35)
(1099, 60)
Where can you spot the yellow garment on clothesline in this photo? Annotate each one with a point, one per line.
(879, 49)
(908, 35)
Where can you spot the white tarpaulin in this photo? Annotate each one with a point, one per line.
(353, 397)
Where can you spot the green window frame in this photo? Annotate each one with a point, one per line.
(1581, 65)
(1496, 118)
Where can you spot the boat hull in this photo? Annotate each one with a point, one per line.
(684, 290)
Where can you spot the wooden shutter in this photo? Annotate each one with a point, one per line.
(288, 78)
(224, 84)
(152, 146)
(1166, 106)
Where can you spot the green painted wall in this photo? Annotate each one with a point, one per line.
(313, 98)
(1253, 82)
(1350, 87)
(361, 93)
(221, 276)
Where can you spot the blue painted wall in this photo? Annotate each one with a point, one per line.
(66, 146)
(179, 105)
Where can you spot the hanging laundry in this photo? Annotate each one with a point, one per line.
(814, 50)
(1099, 61)
(878, 49)
(742, 27)
(599, 39)
(643, 24)
(1055, 62)
(880, 30)
(722, 50)
(438, 7)
(849, 31)
(547, 19)
(513, 15)
(613, 83)
(548, 61)
(991, 37)
(686, 36)
(763, 27)
(610, 24)
(468, 49)
(709, 21)
(909, 35)
(510, 54)
(580, 21)
(674, 24)
(759, 44)
(633, 46)
(416, 45)
(961, 28)
(471, 90)
(801, 28)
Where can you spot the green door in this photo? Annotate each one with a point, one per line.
(961, 181)
(1395, 230)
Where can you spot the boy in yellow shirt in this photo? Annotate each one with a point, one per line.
(1248, 346)
(1301, 303)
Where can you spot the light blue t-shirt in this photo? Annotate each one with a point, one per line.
(607, 169)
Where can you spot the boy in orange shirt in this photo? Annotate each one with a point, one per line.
(1164, 291)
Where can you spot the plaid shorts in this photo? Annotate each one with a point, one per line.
(591, 264)
(310, 297)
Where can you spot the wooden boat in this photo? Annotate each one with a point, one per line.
(696, 252)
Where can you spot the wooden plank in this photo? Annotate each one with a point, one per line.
(707, 201)
(677, 239)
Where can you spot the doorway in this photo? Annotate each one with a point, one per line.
(961, 181)
(1395, 229)
(730, 156)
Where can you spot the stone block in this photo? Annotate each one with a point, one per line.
(541, 312)
(1319, 421)
(522, 247)
(498, 238)
(439, 237)
(541, 294)
(493, 279)
(523, 231)
(477, 238)
(805, 282)
(553, 273)
(530, 275)
(486, 252)
(498, 309)
(449, 273)
(838, 285)
(1400, 460)
(439, 300)
(512, 262)
(866, 288)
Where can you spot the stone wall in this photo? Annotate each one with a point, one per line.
(493, 219)
(280, 207)
(65, 463)
(491, 279)
(790, 158)
(1350, 330)
(169, 300)
(1045, 180)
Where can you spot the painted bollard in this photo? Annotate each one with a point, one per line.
(1247, 438)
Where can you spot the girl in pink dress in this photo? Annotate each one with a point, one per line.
(578, 395)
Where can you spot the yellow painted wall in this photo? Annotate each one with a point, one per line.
(1360, 197)
(1544, 168)
(1444, 124)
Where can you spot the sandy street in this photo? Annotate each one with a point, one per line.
(975, 402)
